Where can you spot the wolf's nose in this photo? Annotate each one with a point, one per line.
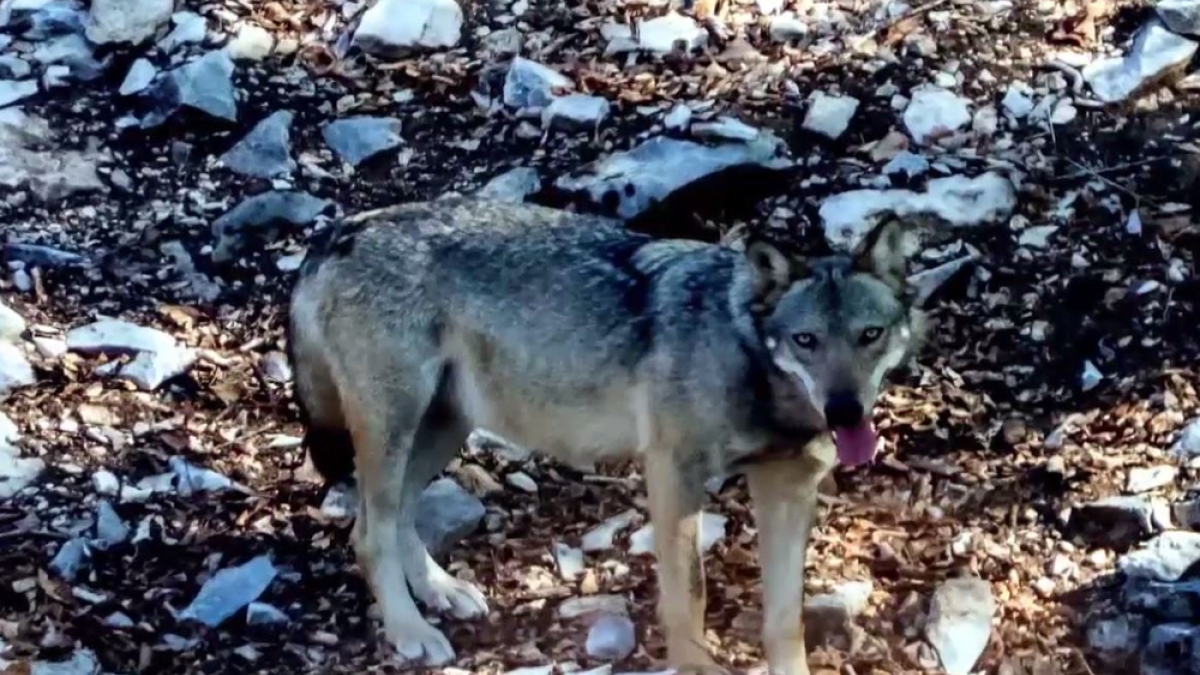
(843, 411)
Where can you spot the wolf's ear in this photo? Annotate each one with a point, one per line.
(885, 252)
(773, 271)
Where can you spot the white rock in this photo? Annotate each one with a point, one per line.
(1037, 236)
(908, 163)
(1064, 112)
(11, 324)
(340, 502)
(570, 561)
(148, 370)
(532, 670)
(530, 84)
(828, 617)
(521, 481)
(726, 128)
(390, 26)
(1181, 16)
(229, 590)
(934, 112)
(1017, 100)
(927, 282)
(830, 115)
(1187, 443)
(12, 91)
(262, 614)
(678, 118)
(16, 472)
(15, 370)
(576, 110)
(787, 27)
(1144, 479)
(986, 121)
(611, 638)
(110, 529)
(960, 623)
(1156, 51)
(600, 538)
(111, 336)
(190, 28)
(140, 75)
(671, 32)
(574, 608)
(1166, 558)
(106, 483)
(712, 530)
(132, 21)
(513, 185)
(957, 200)
(250, 43)
(1091, 376)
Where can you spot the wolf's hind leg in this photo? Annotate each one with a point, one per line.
(443, 431)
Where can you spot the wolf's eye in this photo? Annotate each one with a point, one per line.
(805, 340)
(870, 335)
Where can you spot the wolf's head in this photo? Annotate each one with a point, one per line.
(839, 325)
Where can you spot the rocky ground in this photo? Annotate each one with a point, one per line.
(163, 167)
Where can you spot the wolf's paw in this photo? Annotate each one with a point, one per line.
(445, 593)
(421, 643)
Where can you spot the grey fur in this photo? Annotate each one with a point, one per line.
(569, 334)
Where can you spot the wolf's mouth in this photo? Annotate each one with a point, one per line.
(855, 445)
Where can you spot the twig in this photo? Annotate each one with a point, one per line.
(1112, 169)
(1112, 183)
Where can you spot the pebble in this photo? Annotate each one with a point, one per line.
(1166, 558)
(1145, 479)
(513, 185)
(587, 605)
(15, 370)
(205, 84)
(190, 28)
(1181, 16)
(446, 513)
(1187, 443)
(130, 21)
(569, 560)
(114, 337)
(357, 139)
(12, 91)
(600, 538)
(1115, 522)
(250, 43)
(256, 213)
(530, 84)
(70, 559)
(521, 481)
(263, 614)
(670, 33)
(110, 529)
(12, 325)
(1155, 50)
(16, 472)
(787, 27)
(829, 617)
(266, 151)
(1017, 100)
(106, 483)
(576, 111)
(679, 117)
(140, 75)
(276, 367)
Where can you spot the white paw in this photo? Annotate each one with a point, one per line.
(447, 594)
(423, 644)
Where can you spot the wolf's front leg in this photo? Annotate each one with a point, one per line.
(675, 495)
(785, 506)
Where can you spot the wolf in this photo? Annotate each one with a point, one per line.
(412, 325)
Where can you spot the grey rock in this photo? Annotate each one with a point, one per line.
(611, 638)
(592, 605)
(529, 84)
(829, 617)
(678, 118)
(787, 27)
(1018, 100)
(726, 128)
(569, 560)
(1145, 479)
(50, 174)
(670, 33)
(600, 537)
(513, 185)
(70, 559)
(190, 28)
(1181, 16)
(1114, 522)
(140, 75)
(1187, 443)
(1155, 53)
(828, 115)
(357, 139)
(15, 371)
(576, 111)
(115, 337)
(250, 43)
(266, 151)
(1166, 558)
(262, 614)
(1162, 601)
(230, 590)
(1187, 514)
(391, 27)
(12, 91)
(11, 324)
(1172, 649)
(205, 84)
(110, 529)
(340, 502)
(132, 21)
(38, 21)
(446, 513)
(72, 51)
(960, 622)
(191, 479)
(263, 212)
(660, 166)
(1115, 637)
(9, 434)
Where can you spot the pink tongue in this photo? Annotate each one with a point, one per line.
(855, 446)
